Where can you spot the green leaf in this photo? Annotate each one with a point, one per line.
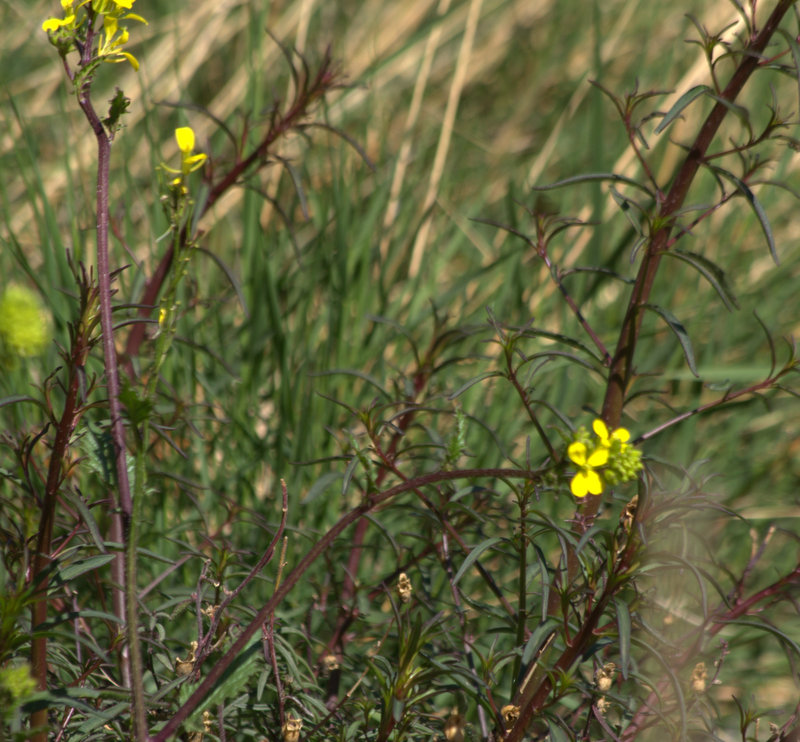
(556, 733)
(320, 486)
(117, 108)
(711, 272)
(349, 471)
(680, 332)
(687, 98)
(473, 555)
(88, 518)
(745, 190)
(537, 639)
(17, 398)
(763, 626)
(674, 681)
(233, 680)
(624, 630)
(82, 566)
(591, 178)
(98, 447)
(795, 49)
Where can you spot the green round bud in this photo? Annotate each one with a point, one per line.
(23, 323)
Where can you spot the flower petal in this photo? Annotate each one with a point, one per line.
(593, 482)
(598, 457)
(621, 434)
(577, 452)
(579, 486)
(600, 429)
(185, 138)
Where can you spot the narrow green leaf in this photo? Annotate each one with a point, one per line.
(348, 473)
(677, 108)
(740, 111)
(398, 708)
(320, 486)
(475, 380)
(676, 684)
(766, 627)
(711, 272)
(624, 630)
(591, 178)
(88, 518)
(680, 332)
(358, 374)
(537, 639)
(82, 566)
(795, 49)
(17, 398)
(545, 581)
(473, 555)
(233, 680)
(745, 190)
(557, 734)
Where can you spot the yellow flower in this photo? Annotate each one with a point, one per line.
(184, 136)
(64, 32)
(111, 47)
(67, 22)
(587, 481)
(606, 439)
(53, 24)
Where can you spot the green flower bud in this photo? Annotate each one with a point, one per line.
(23, 323)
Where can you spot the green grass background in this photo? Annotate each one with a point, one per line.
(336, 305)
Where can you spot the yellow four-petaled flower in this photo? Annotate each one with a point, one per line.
(184, 136)
(590, 458)
(587, 481)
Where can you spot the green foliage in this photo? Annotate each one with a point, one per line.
(355, 353)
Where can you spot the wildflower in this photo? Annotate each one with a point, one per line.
(699, 678)
(111, 6)
(606, 438)
(330, 664)
(587, 480)
(184, 667)
(23, 323)
(110, 48)
(291, 729)
(605, 459)
(510, 714)
(66, 31)
(604, 677)
(602, 705)
(68, 21)
(404, 587)
(454, 727)
(184, 136)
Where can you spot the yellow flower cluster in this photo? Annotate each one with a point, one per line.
(66, 31)
(607, 460)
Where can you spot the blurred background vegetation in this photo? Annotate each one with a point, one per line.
(326, 278)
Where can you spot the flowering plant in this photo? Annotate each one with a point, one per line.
(606, 460)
